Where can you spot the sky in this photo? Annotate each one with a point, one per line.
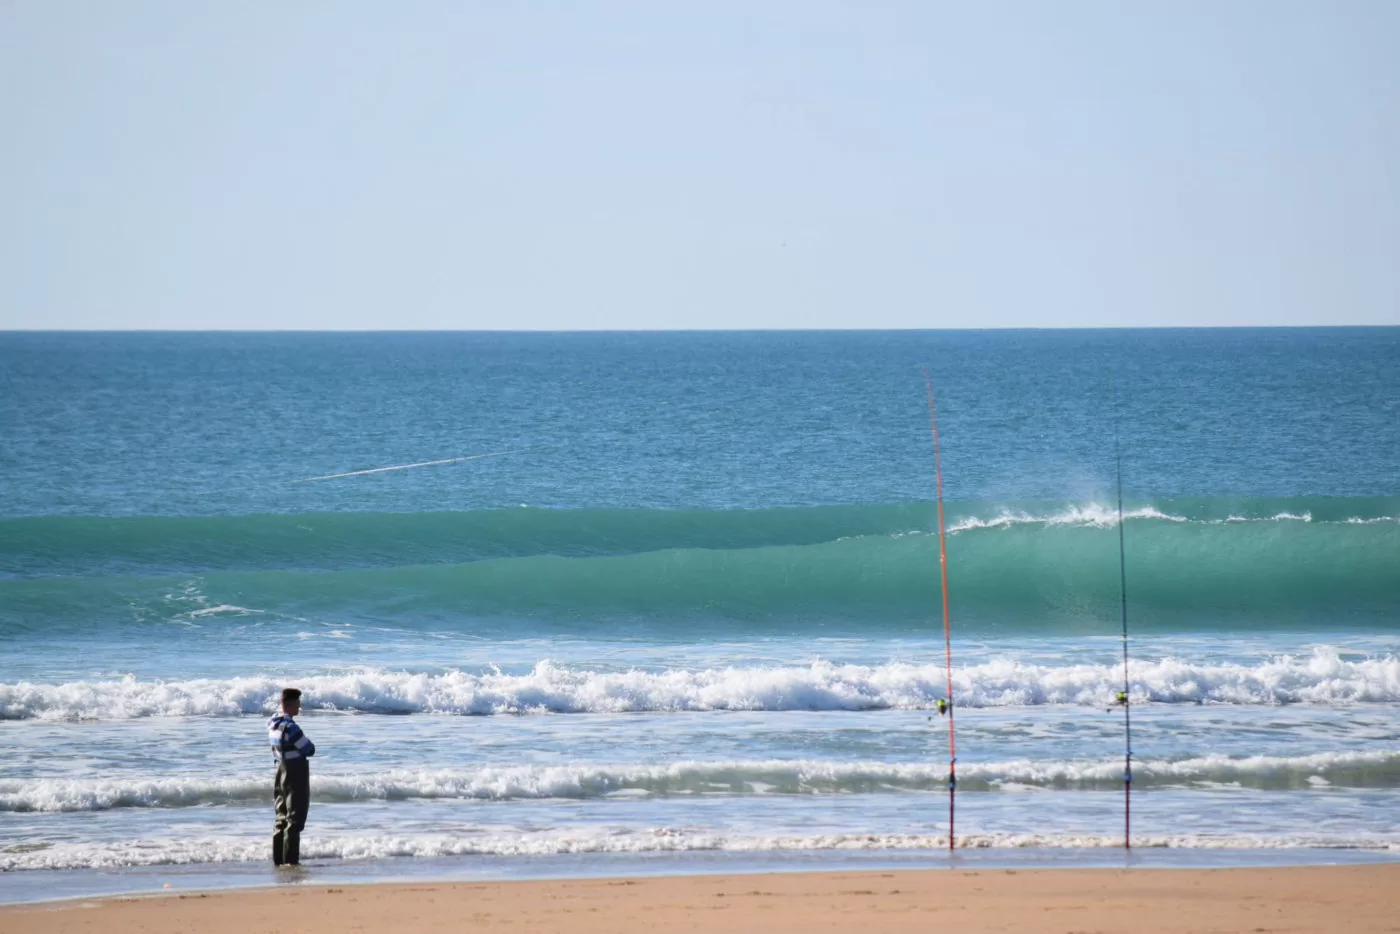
(659, 165)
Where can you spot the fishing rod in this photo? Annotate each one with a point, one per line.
(944, 706)
(1123, 698)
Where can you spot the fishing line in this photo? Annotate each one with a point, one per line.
(446, 460)
(945, 706)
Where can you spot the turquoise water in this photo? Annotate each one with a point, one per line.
(690, 604)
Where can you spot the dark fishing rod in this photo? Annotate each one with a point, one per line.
(1123, 696)
(945, 706)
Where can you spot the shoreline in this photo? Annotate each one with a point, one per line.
(1355, 898)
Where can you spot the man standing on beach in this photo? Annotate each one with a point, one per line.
(292, 787)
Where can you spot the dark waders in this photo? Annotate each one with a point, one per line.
(292, 793)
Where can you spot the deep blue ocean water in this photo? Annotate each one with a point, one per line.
(690, 601)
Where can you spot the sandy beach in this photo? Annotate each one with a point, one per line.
(1352, 899)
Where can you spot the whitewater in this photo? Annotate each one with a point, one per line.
(692, 621)
(1323, 677)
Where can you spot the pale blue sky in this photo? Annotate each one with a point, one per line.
(702, 165)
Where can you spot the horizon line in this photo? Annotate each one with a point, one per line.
(758, 330)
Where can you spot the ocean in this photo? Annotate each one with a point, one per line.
(686, 614)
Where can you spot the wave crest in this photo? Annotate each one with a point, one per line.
(1321, 678)
(779, 777)
(656, 840)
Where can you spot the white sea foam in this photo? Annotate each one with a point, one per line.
(1321, 678)
(1279, 517)
(1100, 516)
(1091, 515)
(161, 852)
(225, 609)
(1371, 769)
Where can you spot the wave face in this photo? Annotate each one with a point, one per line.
(786, 777)
(1274, 560)
(1321, 678)
(42, 546)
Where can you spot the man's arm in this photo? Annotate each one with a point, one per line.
(298, 740)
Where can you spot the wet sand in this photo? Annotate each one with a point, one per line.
(1341, 899)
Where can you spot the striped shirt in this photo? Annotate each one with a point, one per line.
(287, 739)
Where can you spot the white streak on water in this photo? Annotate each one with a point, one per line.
(445, 460)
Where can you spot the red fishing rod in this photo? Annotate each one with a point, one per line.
(946, 706)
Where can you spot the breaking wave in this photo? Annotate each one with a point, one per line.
(657, 840)
(154, 545)
(778, 777)
(1323, 677)
(1270, 561)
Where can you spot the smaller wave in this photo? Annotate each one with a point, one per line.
(1321, 678)
(655, 840)
(775, 777)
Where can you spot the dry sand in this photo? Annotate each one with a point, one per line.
(1342, 899)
